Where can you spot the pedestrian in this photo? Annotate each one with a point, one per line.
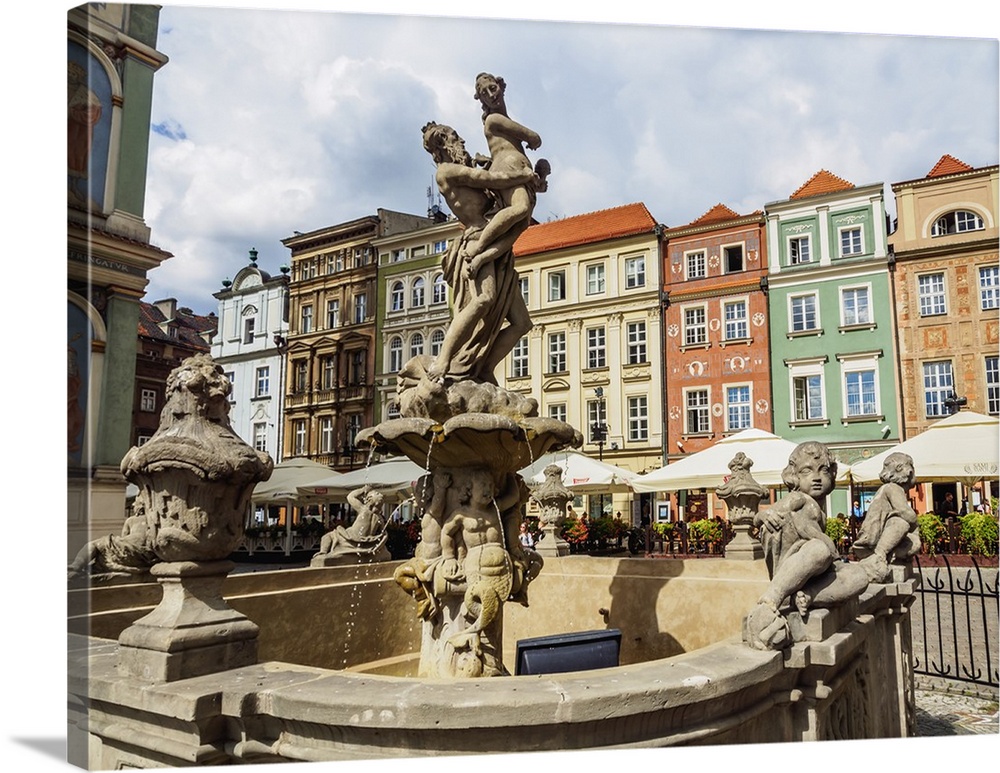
(526, 539)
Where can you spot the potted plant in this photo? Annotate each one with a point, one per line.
(931, 531)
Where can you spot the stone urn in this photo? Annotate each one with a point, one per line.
(552, 496)
(195, 478)
(742, 495)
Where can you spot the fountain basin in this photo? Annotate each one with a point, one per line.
(673, 688)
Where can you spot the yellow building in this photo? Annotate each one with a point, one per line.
(593, 358)
(946, 286)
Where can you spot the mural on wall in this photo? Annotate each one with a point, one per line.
(89, 129)
(78, 380)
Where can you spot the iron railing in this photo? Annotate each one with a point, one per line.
(954, 622)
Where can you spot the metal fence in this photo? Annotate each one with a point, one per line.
(954, 622)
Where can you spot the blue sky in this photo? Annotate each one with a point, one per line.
(268, 122)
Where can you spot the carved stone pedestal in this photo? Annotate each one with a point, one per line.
(192, 631)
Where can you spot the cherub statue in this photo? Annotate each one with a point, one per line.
(130, 553)
(889, 531)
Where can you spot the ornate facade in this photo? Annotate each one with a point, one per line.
(111, 62)
(250, 345)
(593, 357)
(330, 367)
(715, 317)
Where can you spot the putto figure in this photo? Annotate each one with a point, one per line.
(889, 532)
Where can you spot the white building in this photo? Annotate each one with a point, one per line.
(253, 326)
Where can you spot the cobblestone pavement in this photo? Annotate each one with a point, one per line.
(946, 709)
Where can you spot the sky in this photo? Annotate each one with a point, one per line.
(266, 122)
(291, 129)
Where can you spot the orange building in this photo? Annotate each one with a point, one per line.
(716, 361)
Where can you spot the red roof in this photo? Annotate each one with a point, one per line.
(626, 220)
(948, 165)
(717, 214)
(821, 182)
(188, 325)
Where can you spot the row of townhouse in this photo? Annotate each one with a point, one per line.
(813, 318)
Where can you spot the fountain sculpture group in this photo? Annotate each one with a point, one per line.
(195, 477)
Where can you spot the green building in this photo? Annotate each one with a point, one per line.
(833, 361)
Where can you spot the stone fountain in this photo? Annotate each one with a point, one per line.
(471, 435)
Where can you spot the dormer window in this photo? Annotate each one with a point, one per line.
(957, 222)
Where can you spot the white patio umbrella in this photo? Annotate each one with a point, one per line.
(964, 447)
(282, 488)
(709, 468)
(392, 476)
(582, 474)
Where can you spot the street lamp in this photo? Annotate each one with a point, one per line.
(954, 403)
(599, 431)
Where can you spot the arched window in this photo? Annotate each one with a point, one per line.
(395, 354)
(396, 296)
(437, 341)
(440, 290)
(417, 296)
(957, 222)
(416, 345)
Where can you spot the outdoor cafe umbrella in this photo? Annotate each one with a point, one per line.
(963, 447)
(709, 468)
(282, 488)
(581, 474)
(394, 476)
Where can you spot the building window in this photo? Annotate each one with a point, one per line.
(597, 419)
(636, 336)
(358, 370)
(695, 329)
(417, 292)
(147, 400)
(301, 375)
(395, 354)
(993, 384)
(143, 439)
(735, 315)
(353, 428)
(695, 264)
(416, 345)
(307, 269)
(397, 297)
(989, 287)
(557, 352)
(635, 272)
(850, 241)
(231, 375)
(398, 255)
(330, 372)
(333, 313)
(519, 359)
(596, 348)
(557, 286)
(798, 250)
(861, 393)
(939, 384)
(307, 319)
(299, 437)
(360, 307)
(440, 291)
(807, 397)
(802, 313)
(263, 381)
(392, 410)
(958, 222)
(558, 412)
(696, 412)
(595, 279)
(638, 419)
(738, 414)
(930, 289)
(855, 307)
(440, 246)
(339, 260)
(326, 445)
(260, 436)
(523, 281)
(248, 329)
(732, 258)
(437, 341)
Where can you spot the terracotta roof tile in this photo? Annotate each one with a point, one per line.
(948, 165)
(821, 182)
(626, 220)
(189, 326)
(720, 213)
